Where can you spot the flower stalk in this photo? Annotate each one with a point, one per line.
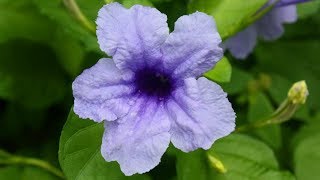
(9, 159)
(74, 9)
(297, 96)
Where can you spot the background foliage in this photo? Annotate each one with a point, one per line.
(43, 48)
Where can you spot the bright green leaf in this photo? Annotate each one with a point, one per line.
(79, 152)
(242, 156)
(221, 72)
(231, 16)
(246, 158)
(129, 3)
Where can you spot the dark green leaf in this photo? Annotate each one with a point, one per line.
(307, 9)
(25, 173)
(56, 11)
(294, 60)
(192, 166)
(238, 83)
(260, 108)
(33, 78)
(79, 152)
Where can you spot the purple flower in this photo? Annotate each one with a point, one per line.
(149, 94)
(269, 27)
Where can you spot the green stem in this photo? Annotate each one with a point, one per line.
(76, 12)
(19, 160)
(297, 95)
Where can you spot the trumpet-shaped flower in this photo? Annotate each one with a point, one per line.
(151, 92)
(269, 28)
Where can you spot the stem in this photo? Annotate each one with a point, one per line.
(297, 95)
(19, 160)
(76, 12)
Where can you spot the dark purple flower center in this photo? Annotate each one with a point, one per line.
(154, 83)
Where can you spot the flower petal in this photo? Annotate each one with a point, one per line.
(101, 93)
(243, 43)
(139, 139)
(193, 47)
(132, 36)
(270, 27)
(200, 114)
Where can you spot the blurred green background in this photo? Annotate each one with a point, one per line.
(43, 48)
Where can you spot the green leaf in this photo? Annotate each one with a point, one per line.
(221, 72)
(242, 156)
(25, 173)
(295, 60)
(70, 54)
(28, 24)
(231, 16)
(307, 158)
(22, 21)
(308, 9)
(246, 158)
(79, 152)
(129, 3)
(238, 83)
(192, 166)
(260, 108)
(56, 11)
(307, 131)
(32, 76)
(279, 88)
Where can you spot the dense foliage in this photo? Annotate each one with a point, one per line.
(44, 46)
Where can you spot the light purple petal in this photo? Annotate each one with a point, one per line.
(193, 47)
(139, 139)
(200, 114)
(101, 93)
(270, 27)
(243, 43)
(132, 36)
